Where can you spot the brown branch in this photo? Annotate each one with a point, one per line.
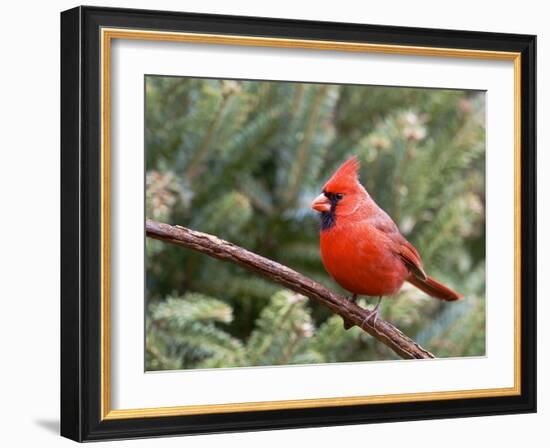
(223, 250)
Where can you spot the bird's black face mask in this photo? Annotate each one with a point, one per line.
(328, 219)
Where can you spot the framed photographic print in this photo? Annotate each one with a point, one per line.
(276, 224)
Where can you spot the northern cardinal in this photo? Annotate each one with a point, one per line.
(362, 248)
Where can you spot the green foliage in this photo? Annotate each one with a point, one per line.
(181, 331)
(243, 160)
(286, 312)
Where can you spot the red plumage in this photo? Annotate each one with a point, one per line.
(361, 247)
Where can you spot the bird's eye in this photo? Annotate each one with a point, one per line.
(333, 196)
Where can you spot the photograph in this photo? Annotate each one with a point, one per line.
(376, 192)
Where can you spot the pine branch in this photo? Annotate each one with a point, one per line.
(200, 153)
(305, 146)
(223, 250)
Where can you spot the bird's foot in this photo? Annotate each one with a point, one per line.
(373, 315)
(348, 324)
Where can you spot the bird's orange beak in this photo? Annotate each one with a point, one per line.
(321, 203)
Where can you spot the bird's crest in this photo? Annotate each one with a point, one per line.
(345, 178)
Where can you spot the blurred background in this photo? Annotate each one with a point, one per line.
(243, 160)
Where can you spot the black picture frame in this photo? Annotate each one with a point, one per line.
(81, 226)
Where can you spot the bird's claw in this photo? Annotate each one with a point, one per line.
(371, 315)
(348, 324)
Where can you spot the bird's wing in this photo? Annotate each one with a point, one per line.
(410, 257)
(402, 248)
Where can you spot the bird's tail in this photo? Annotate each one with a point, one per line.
(434, 288)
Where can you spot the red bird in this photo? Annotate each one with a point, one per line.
(362, 248)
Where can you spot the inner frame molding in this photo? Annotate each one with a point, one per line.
(106, 37)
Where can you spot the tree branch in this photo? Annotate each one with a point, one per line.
(223, 250)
